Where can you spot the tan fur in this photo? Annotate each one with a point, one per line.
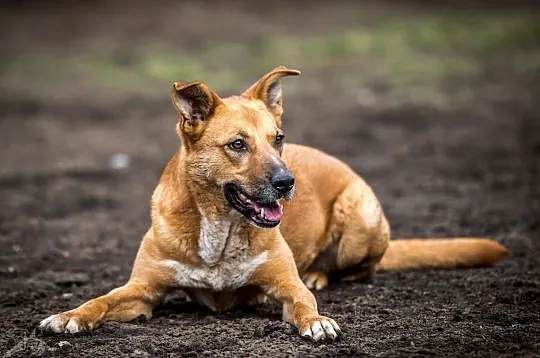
(407, 254)
(199, 243)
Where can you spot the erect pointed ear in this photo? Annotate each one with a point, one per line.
(268, 89)
(195, 103)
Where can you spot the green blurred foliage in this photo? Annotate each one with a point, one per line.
(402, 53)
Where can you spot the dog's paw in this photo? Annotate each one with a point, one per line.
(320, 328)
(62, 323)
(315, 280)
(260, 299)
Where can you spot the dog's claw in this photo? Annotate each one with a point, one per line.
(321, 329)
(329, 329)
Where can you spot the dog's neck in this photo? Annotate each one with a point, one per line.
(222, 228)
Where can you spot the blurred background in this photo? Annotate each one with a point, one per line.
(435, 103)
(106, 65)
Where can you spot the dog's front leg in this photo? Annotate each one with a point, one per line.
(124, 303)
(280, 280)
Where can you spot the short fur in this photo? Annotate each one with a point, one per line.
(333, 227)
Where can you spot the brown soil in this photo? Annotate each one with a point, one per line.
(68, 235)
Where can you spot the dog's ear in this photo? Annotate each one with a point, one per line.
(268, 89)
(195, 103)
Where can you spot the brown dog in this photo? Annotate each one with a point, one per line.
(216, 211)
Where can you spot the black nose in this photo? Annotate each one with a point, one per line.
(282, 180)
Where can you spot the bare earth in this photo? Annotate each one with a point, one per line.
(70, 226)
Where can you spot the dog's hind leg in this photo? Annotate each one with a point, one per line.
(358, 237)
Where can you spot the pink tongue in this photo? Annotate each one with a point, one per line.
(272, 212)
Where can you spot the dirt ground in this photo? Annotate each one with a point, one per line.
(70, 225)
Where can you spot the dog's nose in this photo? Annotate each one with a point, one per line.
(282, 180)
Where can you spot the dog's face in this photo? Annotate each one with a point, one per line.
(233, 145)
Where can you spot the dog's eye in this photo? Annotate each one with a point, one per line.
(238, 145)
(279, 139)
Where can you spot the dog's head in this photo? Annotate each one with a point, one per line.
(232, 146)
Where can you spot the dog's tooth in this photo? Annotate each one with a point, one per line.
(244, 198)
(262, 212)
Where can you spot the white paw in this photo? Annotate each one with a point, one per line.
(315, 280)
(61, 323)
(322, 328)
(260, 299)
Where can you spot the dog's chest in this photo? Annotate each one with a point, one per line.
(226, 262)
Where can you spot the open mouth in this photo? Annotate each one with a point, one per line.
(263, 214)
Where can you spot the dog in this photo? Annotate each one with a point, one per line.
(238, 216)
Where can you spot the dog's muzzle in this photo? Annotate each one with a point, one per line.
(263, 207)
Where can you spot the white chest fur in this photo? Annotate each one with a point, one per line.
(225, 259)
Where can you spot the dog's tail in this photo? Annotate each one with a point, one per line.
(411, 254)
